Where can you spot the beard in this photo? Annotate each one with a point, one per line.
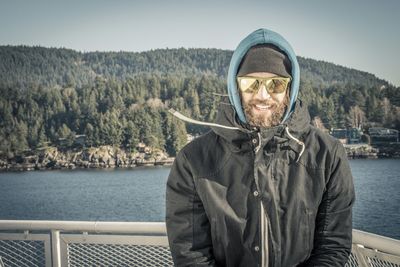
(265, 120)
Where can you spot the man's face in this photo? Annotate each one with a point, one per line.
(261, 108)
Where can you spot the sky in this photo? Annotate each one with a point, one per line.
(360, 34)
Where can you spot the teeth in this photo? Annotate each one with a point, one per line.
(263, 106)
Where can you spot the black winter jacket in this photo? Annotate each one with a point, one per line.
(252, 197)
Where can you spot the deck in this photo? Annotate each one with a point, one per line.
(86, 243)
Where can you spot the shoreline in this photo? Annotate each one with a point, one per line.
(106, 157)
(28, 168)
(96, 166)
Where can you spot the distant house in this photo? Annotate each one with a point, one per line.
(381, 136)
(354, 136)
(340, 134)
(190, 137)
(79, 140)
(347, 136)
(142, 148)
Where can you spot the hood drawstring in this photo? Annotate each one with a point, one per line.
(187, 119)
(184, 118)
(303, 146)
(259, 142)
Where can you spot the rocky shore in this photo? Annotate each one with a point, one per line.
(99, 157)
(361, 151)
(51, 158)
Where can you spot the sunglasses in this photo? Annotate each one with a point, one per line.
(274, 85)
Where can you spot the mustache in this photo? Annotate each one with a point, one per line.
(260, 102)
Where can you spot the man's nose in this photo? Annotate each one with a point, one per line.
(262, 92)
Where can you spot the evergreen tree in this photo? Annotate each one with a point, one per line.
(90, 135)
(18, 138)
(175, 135)
(65, 133)
(121, 98)
(131, 135)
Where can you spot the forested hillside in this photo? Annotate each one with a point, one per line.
(122, 98)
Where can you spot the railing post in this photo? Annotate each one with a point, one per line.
(360, 257)
(55, 248)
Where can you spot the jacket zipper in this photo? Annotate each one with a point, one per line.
(263, 217)
(264, 237)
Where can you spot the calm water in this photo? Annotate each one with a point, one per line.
(138, 195)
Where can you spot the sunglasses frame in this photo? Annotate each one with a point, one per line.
(265, 81)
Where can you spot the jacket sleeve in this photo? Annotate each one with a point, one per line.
(333, 233)
(188, 228)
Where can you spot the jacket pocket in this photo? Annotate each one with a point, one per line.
(216, 242)
(213, 224)
(310, 218)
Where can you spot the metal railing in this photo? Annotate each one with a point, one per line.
(80, 243)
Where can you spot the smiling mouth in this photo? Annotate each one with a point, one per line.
(263, 107)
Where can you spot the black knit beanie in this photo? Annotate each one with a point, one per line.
(265, 58)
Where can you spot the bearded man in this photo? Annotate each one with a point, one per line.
(263, 187)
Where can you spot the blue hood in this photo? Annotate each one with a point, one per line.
(261, 36)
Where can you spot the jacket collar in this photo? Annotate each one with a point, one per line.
(241, 139)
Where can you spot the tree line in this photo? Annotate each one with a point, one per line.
(122, 98)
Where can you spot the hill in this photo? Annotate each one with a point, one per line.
(24, 65)
(121, 98)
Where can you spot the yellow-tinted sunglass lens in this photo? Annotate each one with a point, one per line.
(247, 84)
(277, 86)
(274, 85)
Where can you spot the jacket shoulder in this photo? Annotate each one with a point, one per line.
(323, 137)
(321, 148)
(205, 155)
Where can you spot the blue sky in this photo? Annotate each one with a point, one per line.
(361, 34)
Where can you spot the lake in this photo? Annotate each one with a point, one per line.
(138, 194)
